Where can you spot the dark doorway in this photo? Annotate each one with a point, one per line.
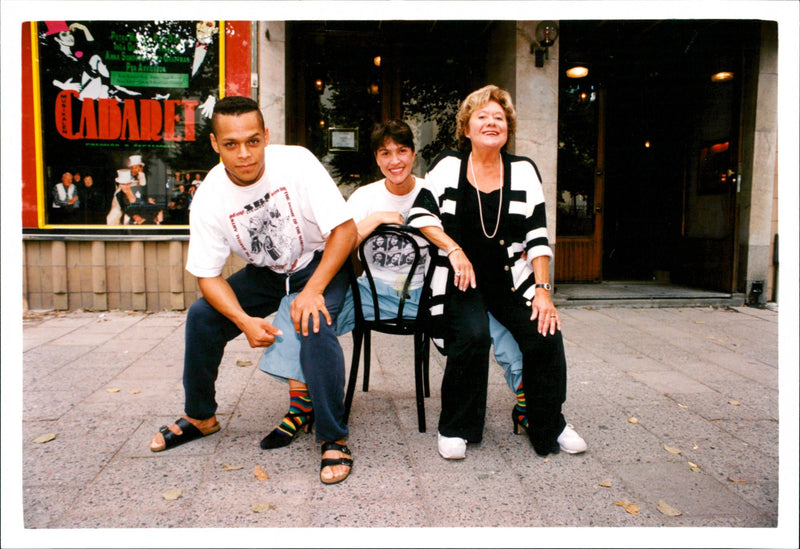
(344, 76)
(668, 198)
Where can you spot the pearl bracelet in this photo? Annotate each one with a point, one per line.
(453, 250)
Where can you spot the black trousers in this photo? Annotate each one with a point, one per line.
(464, 386)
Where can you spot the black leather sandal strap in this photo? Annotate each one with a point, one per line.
(335, 446)
(337, 461)
(190, 433)
(188, 428)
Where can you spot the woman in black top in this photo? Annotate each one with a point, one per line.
(484, 209)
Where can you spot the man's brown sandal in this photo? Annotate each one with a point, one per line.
(329, 462)
(188, 433)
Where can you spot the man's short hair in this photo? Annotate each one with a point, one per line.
(235, 105)
(396, 130)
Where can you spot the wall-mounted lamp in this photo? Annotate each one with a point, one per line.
(546, 35)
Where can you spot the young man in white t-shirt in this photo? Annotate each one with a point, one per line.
(278, 209)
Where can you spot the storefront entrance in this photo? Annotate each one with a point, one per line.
(343, 77)
(649, 151)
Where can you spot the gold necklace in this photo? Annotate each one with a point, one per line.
(480, 208)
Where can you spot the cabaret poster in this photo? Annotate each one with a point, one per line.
(124, 117)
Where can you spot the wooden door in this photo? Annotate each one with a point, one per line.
(581, 172)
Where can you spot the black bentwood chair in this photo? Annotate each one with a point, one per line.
(392, 248)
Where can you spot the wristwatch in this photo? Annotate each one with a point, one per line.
(546, 286)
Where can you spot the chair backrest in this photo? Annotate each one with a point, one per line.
(395, 260)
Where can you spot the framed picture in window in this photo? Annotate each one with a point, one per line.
(342, 139)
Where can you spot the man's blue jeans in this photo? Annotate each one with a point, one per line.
(259, 291)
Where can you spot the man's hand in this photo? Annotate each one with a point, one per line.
(308, 303)
(259, 332)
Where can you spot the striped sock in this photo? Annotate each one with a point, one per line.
(299, 410)
(521, 407)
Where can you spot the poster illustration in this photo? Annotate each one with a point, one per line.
(125, 116)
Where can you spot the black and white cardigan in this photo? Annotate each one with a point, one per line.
(523, 233)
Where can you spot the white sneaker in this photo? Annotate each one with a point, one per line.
(570, 441)
(452, 447)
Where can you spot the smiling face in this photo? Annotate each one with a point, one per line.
(488, 127)
(395, 162)
(240, 141)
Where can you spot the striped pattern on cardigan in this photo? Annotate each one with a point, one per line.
(523, 232)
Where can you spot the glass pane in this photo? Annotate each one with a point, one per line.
(577, 159)
(343, 100)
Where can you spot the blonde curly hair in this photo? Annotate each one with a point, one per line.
(476, 100)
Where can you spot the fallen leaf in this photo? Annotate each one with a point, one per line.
(605, 484)
(633, 420)
(682, 405)
(699, 322)
(671, 449)
(134, 392)
(260, 473)
(45, 438)
(694, 467)
(733, 479)
(695, 447)
(243, 362)
(172, 495)
(228, 467)
(734, 403)
(666, 509)
(112, 390)
(629, 507)
(261, 507)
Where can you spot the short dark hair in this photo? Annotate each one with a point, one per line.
(235, 105)
(396, 130)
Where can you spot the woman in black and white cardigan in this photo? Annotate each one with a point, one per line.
(484, 209)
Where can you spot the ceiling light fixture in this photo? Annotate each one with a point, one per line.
(578, 71)
(722, 76)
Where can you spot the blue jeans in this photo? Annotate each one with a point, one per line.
(259, 291)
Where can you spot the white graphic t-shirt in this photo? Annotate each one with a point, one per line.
(386, 256)
(277, 222)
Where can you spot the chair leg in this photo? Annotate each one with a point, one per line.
(419, 346)
(351, 384)
(426, 362)
(367, 354)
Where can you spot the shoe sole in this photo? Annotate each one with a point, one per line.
(572, 451)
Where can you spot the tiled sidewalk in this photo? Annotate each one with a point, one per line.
(678, 406)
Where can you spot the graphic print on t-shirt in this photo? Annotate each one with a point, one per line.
(268, 231)
(389, 258)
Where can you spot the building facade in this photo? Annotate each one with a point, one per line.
(652, 170)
